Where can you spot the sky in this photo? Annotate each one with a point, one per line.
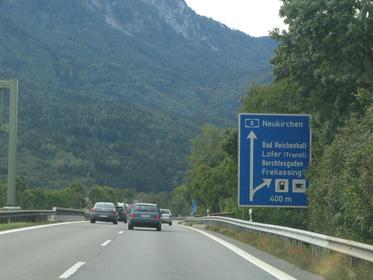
(254, 17)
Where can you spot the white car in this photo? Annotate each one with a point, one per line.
(166, 216)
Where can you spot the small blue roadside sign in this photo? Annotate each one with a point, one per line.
(194, 207)
(274, 152)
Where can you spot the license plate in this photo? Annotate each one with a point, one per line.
(103, 216)
(145, 216)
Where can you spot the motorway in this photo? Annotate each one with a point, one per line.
(84, 251)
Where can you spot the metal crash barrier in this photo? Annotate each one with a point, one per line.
(352, 248)
(57, 214)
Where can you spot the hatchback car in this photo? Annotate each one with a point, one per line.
(122, 215)
(166, 216)
(145, 215)
(104, 211)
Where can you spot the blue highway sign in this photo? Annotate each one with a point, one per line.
(274, 152)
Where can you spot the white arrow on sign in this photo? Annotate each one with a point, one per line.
(266, 182)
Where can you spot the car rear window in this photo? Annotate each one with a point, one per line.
(146, 208)
(104, 205)
(119, 208)
(165, 211)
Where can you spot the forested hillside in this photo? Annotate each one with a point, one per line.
(112, 91)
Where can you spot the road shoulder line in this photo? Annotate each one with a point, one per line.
(250, 258)
(38, 227)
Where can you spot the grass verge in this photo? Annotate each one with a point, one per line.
(328, 264)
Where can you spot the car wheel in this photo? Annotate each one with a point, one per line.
(115, 222)
(159, 228)
(93, 221)
(170, 224)
(130, 227)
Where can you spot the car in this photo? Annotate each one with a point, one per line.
(166, 216)
(130, 207)
(105, 212)
(122, 215)
(145, 215)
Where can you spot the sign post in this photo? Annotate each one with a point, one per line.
(274, 152)
(12, 86)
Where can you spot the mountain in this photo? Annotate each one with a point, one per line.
(112, 91)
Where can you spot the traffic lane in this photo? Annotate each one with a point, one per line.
(174, 253)
(45, 253)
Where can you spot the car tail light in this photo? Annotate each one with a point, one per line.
(133, 215)
(94, 210)
(113, 211)
(157, 217)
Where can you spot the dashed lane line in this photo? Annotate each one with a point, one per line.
(72, 270)
(105, 243)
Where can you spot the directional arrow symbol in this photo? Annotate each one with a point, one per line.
(266, 182)
(252, 138)
(251, 135)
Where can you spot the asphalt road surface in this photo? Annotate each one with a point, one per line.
(84, 251)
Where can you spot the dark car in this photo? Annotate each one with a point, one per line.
(145, 215)
(105, 212)
(122, 215)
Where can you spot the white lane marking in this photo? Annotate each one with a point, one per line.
(72, 270)
(37, 227)
(250, 258)
(105, 243)
(121, 232)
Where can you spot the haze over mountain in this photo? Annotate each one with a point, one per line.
(112, 91)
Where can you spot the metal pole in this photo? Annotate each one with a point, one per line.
(13, 110)
(1, 107)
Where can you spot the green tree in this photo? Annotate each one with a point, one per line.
(180, 203)
(102, 193)
(75, 193)
(341, 192)
(206, 155)
(2, 194)
(212, 178)
(326, 56)
(279, 97)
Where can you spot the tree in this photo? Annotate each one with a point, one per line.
(341, 194)
(180, 203)
(75, 194)
(2, 194)
(279, 97)
(326, 56)
(100, 193)
(206, 155)
(212, 178)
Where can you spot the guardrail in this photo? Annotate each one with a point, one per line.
(57, 214)
(348, 247)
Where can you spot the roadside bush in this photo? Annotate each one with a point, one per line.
(341, 193)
